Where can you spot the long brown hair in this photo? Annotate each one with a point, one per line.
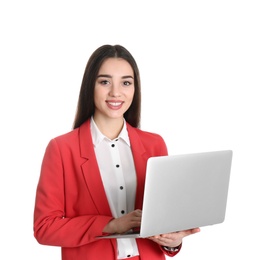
(85, 106)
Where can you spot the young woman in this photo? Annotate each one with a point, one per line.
(92, 178)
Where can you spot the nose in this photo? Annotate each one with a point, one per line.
(115, 90)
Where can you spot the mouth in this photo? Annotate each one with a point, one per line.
(114, 104)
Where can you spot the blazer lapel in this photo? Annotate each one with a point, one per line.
(140, 157)
(91, 171)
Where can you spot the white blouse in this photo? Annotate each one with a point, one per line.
(118, 174)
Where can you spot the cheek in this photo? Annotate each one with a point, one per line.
(97, 98)
(131, 93)
(98, 94)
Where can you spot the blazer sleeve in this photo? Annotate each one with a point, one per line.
(51, 225)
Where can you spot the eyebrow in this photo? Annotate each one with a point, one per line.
(109, 76)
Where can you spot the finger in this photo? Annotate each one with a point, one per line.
(138, 212)
(159, 240)
(191, 231)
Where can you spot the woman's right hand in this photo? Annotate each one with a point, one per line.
(124, 223)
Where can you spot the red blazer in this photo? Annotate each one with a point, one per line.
(71, 207)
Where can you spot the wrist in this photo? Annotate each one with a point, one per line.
(172, 249)
(110, 227)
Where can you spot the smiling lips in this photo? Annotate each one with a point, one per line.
(114, 104)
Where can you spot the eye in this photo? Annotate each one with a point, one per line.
(127, 83)
(104, 82)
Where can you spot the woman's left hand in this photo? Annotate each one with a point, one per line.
(173, 239)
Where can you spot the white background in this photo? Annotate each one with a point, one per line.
(200, 64)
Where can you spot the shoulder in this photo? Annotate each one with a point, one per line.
(63, 142)
(148, 135)
(143, 134)
(66, 137)
(74, 141)
(73, 136)
(149, 140)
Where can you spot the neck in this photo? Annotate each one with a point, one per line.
(110, 128)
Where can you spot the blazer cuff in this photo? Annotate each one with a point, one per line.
(172, 251)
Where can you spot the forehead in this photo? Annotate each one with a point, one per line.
(117, 66)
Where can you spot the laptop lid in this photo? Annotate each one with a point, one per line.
(183, 192)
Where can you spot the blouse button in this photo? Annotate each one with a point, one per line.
(117, 165)
(113, 145)
(121, 187)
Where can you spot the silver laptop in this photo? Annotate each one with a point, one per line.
(183, 192)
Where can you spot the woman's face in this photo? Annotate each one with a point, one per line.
(114, 89)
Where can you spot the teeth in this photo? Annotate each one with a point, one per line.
(115, 103)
